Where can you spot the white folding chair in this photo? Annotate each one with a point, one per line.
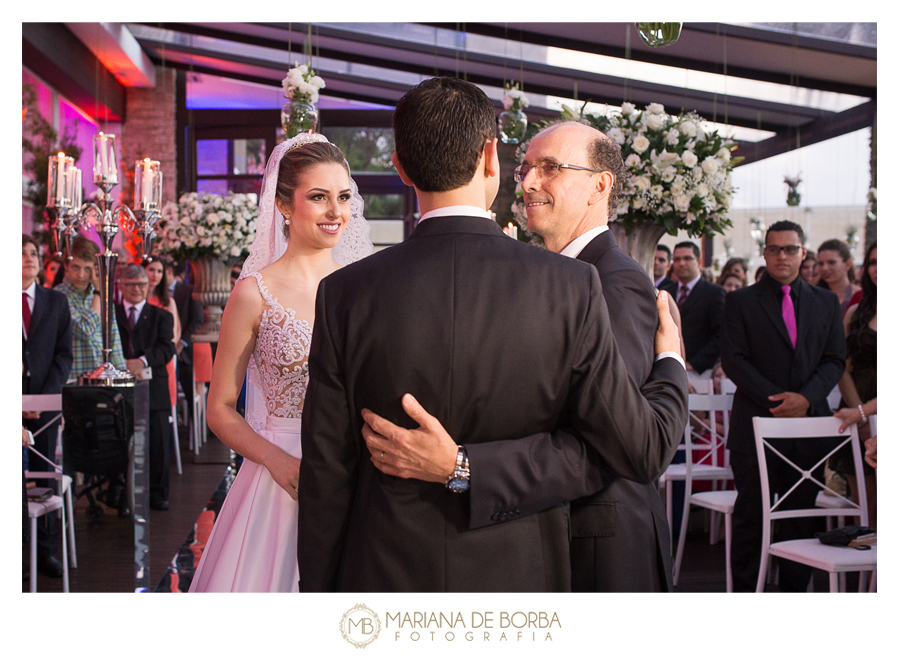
(704, 449)
(705, 469)
(773, 433)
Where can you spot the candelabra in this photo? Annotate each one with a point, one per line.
(64, 196)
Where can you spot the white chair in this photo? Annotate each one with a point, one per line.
(35, 511)
(771, 433)
(715, 501)
(704, 450)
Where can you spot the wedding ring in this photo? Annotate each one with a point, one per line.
(382, 456)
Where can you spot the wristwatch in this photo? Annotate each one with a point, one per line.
(458, 481)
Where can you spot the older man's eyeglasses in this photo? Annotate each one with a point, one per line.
(133, 284)
(790, 249)
(547, 170)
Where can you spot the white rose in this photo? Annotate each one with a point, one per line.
(690, 218)
(673, 137)
(656, 108)
(688, 129)
(235, 251)
(640, 143)
(317, 81)
(201, 231)
(656, 190)
(702, 189)
(633, 161)
(641, 183)
(697, 172)
(638, 203)
(665, 159)
(616, 135)
(724, 155)
(627, 108)
(654, 121)
(668, 174)
(689, 158)
(710, 165)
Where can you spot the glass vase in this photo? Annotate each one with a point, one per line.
(512, 126)
(299, 116)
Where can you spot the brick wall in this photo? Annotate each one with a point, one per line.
(149, 129)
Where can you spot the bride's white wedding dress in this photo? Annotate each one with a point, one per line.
(253, 546)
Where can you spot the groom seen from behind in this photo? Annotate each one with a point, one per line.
(433, 316)
(620, 536)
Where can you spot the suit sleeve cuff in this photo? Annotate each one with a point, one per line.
(673, 355)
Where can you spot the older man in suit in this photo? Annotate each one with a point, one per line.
(147, 334)
(46, 362)
(434, 316)
(783, 346)
(620, 536)
(701, 304)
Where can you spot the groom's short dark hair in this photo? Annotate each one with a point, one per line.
(440, 129)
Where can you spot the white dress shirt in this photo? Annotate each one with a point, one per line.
(137, 313)
(448, 211)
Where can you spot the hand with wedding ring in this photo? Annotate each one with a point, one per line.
(426, 453)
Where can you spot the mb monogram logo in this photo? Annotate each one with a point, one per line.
(360, 626)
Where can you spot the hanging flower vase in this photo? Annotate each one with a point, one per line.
(659, 35)
(512, 126)
(299, 116)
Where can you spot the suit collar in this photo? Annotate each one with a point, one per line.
(457, 224)
(597, 247)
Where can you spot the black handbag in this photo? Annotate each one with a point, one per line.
(843, 536)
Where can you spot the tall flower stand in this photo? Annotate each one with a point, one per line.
(212, 286)
(641, 243)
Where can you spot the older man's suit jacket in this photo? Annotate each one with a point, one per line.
(498, 340)
(152, 339)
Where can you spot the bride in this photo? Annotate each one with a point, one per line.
(310, 223)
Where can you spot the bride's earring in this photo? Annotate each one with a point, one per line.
(287, 220)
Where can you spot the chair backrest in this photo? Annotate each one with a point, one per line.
(728, 386)
(705, 444)
(771, 437)
(873, 424)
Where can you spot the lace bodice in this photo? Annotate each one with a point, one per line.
(282, 356)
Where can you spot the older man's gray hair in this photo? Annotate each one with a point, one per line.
(132, 271)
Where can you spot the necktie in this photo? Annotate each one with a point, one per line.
(682, 295)
(26, 313)
(787, 312)
(131, 321)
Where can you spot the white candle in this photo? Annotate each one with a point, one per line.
(157, 188)
(60, 175)
(104, 159)
(76, 187)
(147, 184)
(512, 231)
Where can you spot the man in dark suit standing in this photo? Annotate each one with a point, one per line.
(433, 315)
(783, 346)
(46, 361)
(620, 536)
(190, 314)
(661, 263)
(701, 304)
(147, 334)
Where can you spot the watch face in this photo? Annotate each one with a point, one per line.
(458, 485)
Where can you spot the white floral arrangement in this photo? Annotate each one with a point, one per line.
(680, 174)
(514, 99)
(872, 205)
(203, 224)
(302, 84)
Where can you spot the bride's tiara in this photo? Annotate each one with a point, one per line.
(305, 138)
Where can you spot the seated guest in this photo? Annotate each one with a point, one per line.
(732, 282)
(147, 333)
(759, 272)
(46, 361)
(736, 267)
(84, 307)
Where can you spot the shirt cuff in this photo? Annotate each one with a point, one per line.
(144, 359)
(674, 355)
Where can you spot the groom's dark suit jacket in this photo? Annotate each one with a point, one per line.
(620, 535)
(497, 339)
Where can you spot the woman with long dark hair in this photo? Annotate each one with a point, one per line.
(859, 385)
(834, 264)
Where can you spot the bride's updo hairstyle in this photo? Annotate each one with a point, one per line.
(295, 162)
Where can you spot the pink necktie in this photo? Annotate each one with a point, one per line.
(787, 312)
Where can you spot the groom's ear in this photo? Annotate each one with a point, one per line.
(399, 168)
(491, 159)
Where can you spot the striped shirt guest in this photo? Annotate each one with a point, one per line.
(84, 306)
